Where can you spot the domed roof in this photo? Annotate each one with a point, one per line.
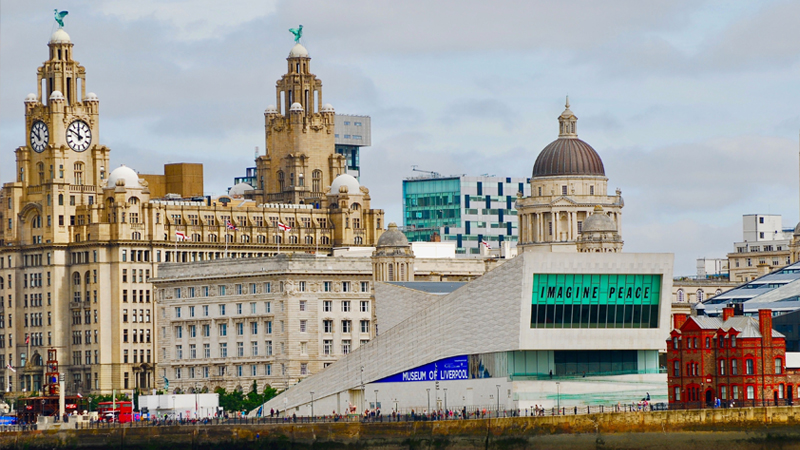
(60, 37)
(296, 107)
(31, 98)
(298, 51)
(91, 97)
(344, 179)
(327, 107)
(239, 189)
(393, 238)
(797, 230)
(56, 95)
(271, 109)
(568, 156)
(127, 175)
(598, 221)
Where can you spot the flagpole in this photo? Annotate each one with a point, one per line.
(280, 238)
(226, 241)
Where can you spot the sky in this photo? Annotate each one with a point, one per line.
(690, 104)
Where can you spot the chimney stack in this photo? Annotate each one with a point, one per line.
(765, 326)
(727, 313)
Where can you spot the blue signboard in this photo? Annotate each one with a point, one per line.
(454, 368)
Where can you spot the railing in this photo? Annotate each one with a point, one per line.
(411, 415)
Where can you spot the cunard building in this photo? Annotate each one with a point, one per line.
(80, 242)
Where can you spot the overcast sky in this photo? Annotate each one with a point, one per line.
(690, 104)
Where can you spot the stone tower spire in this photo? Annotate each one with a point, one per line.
(300, 160)
(567, 123)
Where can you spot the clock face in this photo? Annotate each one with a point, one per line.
(40, 136)
(79, 136)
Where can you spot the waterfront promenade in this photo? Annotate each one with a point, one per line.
(758, 427)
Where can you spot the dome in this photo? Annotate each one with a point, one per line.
(598, 222)
(56, 95)
(60, 37)
(271, 109)
(797, 230)
(349, 181)
(568, 156)
(392, 238)
(296, 107)
(91, 97)
(298, 51)
(31, 98)
(327, 107)
(124, 174)
(240, 189)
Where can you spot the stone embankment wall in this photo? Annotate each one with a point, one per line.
(740, 428)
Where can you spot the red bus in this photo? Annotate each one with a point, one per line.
(121, 411)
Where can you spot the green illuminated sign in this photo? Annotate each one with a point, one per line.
(595, 301)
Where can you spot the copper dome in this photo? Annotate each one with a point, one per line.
(568, 156)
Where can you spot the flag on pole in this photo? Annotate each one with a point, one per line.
(230, 226)
(27, 339)
(180, 236)
(284, 227)
(79, 395)
(486, 244)
(8, 366)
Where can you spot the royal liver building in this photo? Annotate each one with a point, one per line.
(80, 242)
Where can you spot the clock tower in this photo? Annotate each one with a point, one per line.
(62, 164)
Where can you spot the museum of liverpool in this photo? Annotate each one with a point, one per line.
(542, 329)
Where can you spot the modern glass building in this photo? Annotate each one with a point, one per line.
(466, 210)
(352, 133)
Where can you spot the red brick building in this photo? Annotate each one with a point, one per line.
(737, 359)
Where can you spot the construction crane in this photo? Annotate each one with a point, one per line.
(432, 174)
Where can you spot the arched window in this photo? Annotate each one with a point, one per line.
(133, 200)
(76, 279)
(277, 239)
(87, 278)
(245, 238)
(78, 173)
(212, 238)
(261, 239)
(316, 181)
(60, 199)
(358, 240)
(281, 181)
(700, 295)
(681, 295)
(136, 236)
(197, 237)
(309, 239)
(40, 170)
(324, 240)
(293, 239)
(355, 206)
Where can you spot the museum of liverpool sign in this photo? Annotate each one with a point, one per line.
(454, 368)
(595, 301)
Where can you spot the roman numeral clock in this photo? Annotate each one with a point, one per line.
(79, 136)
(40, 136)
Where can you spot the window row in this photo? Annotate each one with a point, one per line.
(265, 288)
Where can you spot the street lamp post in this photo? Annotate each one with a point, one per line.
(498, 400)
(376, 399)
(312, 404)
(363, 391)
(558, 396)
(445, 399)
(429, 399)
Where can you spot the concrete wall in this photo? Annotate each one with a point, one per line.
(741, 428)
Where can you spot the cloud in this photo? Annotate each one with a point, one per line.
(481, 111)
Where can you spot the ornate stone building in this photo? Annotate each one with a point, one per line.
(78, 244)
(568, 182)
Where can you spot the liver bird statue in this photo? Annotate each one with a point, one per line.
(60, 17)
(297, 32)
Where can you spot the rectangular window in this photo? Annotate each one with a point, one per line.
(345, 305)
(303, 326)
(206, 350)
(327, 347)
(364, 286)
(254, 349)
(327, 306)
(206, 330)
(240, 349)
(223, 350)
(749, 367)
(345, 346)
(364, 306)
(221, 289)
(267, 288)
(326, 286)
(268, 327)
(734, 367)
(205, 310)
(365, 326)
(223, 329)
(252, 288)
(178, 312)
(267, 307)
(345, 286)
(301, 286)
(238, 289)
(302, 305)
(346, 326)
(268, 348)
(327, 326)
(750, 393)
(238, 308)
(221, 310)
(252, 307)
(253, 327)
(240, 329)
